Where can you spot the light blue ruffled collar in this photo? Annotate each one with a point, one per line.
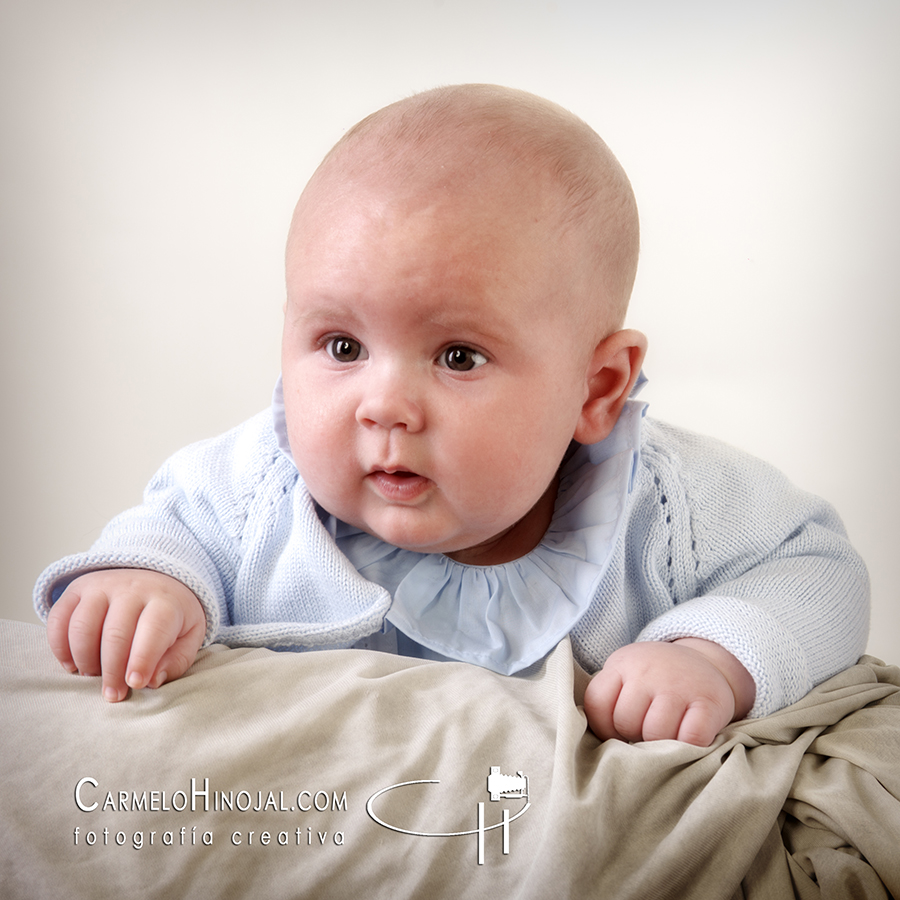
(506, 617)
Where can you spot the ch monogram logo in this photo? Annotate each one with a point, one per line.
(499, 787)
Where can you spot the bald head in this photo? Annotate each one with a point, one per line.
(533, 160)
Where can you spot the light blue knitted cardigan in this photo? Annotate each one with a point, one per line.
(708, 542)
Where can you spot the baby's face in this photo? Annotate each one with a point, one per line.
(433, 372)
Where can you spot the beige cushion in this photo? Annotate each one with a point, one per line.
(313, 738)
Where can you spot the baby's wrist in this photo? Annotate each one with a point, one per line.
(741, 682)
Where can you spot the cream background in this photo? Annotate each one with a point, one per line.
(152, 153)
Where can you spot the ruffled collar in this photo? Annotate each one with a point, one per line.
(506, 617)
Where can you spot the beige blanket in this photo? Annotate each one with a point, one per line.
(349, 774)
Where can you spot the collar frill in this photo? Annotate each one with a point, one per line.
(506, 617)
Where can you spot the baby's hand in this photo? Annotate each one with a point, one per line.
(133, 626)
(688, 689)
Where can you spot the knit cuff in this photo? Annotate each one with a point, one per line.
(54, 580)
(773, 657)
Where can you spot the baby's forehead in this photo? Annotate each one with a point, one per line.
(498, 156)
(456, 193)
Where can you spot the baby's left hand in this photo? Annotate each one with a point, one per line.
(688, 690)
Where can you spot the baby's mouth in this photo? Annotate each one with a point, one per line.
(398, 484)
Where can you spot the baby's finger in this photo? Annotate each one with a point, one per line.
(700, 725)
(179, 657)
(631, 708)
(58, 629)
(86, 630)
(600, 701)
(664, 718)
(118, 634)
(157, 630)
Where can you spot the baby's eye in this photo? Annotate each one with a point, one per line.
(345, 349)
(462, 359)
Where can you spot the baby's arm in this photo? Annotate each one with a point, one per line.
(132, 626)
(688, 690)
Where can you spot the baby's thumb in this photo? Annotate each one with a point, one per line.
(177, 659)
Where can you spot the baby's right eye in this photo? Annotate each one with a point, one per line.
(345, 349)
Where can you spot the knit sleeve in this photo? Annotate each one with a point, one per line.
(760, 567)
(189, 525)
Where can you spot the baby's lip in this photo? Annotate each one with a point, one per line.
(398, 484)
(393, 469)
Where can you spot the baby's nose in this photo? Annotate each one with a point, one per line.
(390, 403)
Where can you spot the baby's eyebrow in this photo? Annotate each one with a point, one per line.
(468, 326)
(464, 326)
(323, 312)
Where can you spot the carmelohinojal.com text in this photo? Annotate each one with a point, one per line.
(91, 798)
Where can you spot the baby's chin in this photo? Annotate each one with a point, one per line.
(421, 537)
(493, 550)
(425, 529)
(416, 542)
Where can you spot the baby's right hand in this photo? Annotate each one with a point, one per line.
(132, 626)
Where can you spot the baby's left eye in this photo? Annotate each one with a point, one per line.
(462, 359)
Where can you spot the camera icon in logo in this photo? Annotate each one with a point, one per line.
(509, 787)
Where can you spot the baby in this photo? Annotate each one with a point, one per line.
(455, 467)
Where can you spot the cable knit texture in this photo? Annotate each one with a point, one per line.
(713, 544)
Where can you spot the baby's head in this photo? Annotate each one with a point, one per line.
(458, 270)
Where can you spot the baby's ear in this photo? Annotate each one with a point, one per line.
(612, 372)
